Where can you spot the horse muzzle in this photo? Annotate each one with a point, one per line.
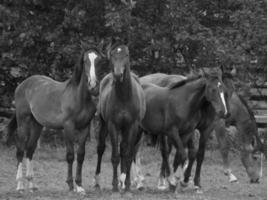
(118, 77)
(224, 115)
(256, 180)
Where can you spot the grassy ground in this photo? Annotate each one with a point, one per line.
(50, 171)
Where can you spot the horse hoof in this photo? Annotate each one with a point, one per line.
(80, 190)
(128, 195)
(183, 184)
(97, 187)
(115, 189)
(34, 189)
(162, 187)
(232, 178)
(21, 191)
(199, 191)
(172, 188)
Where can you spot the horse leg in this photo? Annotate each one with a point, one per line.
(138, 177)
(101, 146)
(115, 157)
(165, 167)
(180, 156)
(69, 137)
(21, 140)
(191, 156)
(127, 153)
(80, 158)
(35, 132)
(224, 150)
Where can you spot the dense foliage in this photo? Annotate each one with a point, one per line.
(43, 36)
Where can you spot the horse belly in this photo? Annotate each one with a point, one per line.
(152, 122)
(46, 109)
(123, 118)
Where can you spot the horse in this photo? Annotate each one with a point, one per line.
(246, 139)
(175, 111)
(252, 168)
(121, 109)
(41, 102)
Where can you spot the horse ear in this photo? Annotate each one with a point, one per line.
(100, 46)
(202, 72)
(222, 68)
(108, 49)
(83, 45)
(233, 71)
(220, 71)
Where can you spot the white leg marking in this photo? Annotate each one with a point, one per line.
(92, 56)
(172, 179)
(80, 190)
(19, 178)
(162, 183)
(261, 170)
(30, 174)
(224, 102)
(138, 177)
(232, 178)
(29, 169)
(122, 180)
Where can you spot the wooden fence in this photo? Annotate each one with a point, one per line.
(258, 101)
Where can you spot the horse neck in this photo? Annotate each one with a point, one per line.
(241, 115)
(197, 93)
(123, 89)
(239, 111)
(82, 93)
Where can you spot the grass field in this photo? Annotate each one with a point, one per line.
(50, 175)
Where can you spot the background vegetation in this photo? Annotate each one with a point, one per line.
(43, 36)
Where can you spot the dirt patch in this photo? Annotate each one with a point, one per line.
(50, 175)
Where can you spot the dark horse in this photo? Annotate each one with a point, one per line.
(236, 105)
(41, 101)
(175, 111)
(121, 107)
(247, 138)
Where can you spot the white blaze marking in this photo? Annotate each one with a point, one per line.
(119, 49)
(92, 56)
(223, 99)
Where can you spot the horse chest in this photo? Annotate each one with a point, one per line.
(123, 116)
(84, 117)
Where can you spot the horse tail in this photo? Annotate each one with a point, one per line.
(11, 127)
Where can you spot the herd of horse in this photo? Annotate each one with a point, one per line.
(166, 108)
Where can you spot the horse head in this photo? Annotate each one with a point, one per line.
(215, 93)
(119, 60)
(89, 65)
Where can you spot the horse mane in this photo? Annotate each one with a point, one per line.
(251, 114)
(78, 70)
(183, 82)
